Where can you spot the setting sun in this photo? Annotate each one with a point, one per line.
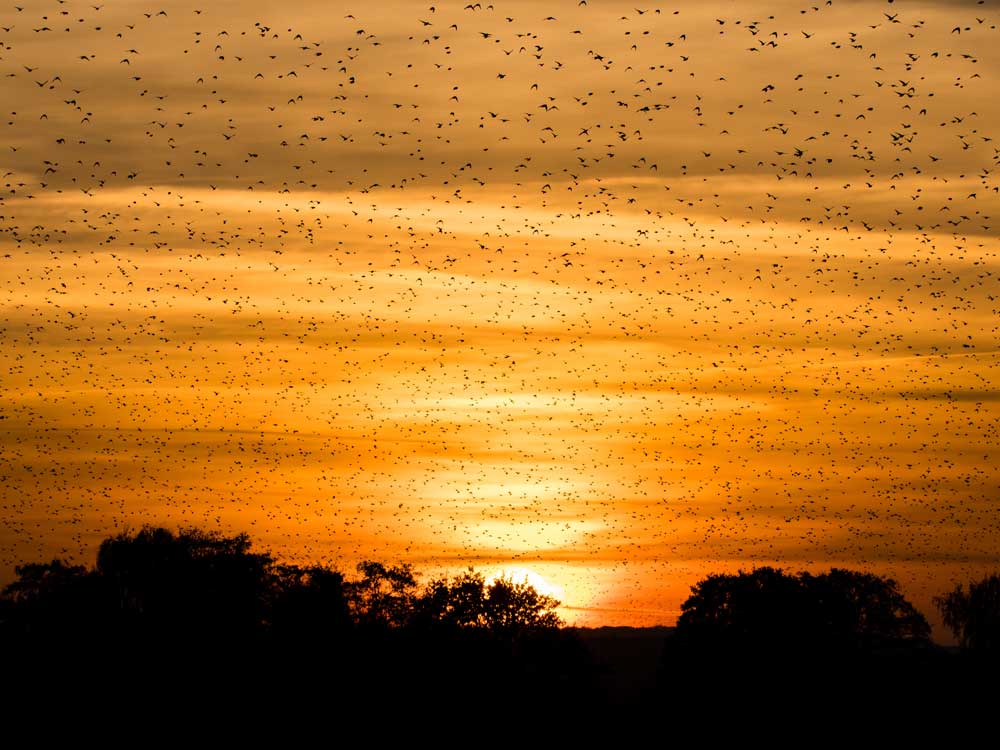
(531, 578)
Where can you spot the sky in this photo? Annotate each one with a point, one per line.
(609, 294)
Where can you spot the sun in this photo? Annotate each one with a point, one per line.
(533, 579)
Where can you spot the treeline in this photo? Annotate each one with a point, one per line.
(161, 609)
(195, 613)
(174, 587)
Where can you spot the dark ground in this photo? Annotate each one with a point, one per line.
(628, 659)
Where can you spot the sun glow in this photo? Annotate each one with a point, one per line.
(530, 577)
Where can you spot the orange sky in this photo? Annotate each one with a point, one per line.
(617, 295)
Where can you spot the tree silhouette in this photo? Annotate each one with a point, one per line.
(499, 638)
(513, 608)
(762, 609)
(768, 609)
(503, 607)
(196, 583)
(453, 603)
(863, 610)
(51, 600)
(185, 584)
(193, 613)
(163, 612)
(384, 595)
(307, 603)
(974, 615)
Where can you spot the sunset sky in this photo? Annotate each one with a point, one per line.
(611, 294)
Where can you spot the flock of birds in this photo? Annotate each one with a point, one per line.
(615, 292)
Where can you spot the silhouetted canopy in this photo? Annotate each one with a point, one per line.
(974, 615)
(769, 609)
(186, 582)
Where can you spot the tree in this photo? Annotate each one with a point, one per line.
(37, 583)
(307, 604)
(185, 583)
(498, 637)
(758, 608)
(862, 609)
(513, 609)
(51, 599)
(384, 596)
(501, 607)
(458, 602)
(974, 615)
(165, 612)
(768, 609)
